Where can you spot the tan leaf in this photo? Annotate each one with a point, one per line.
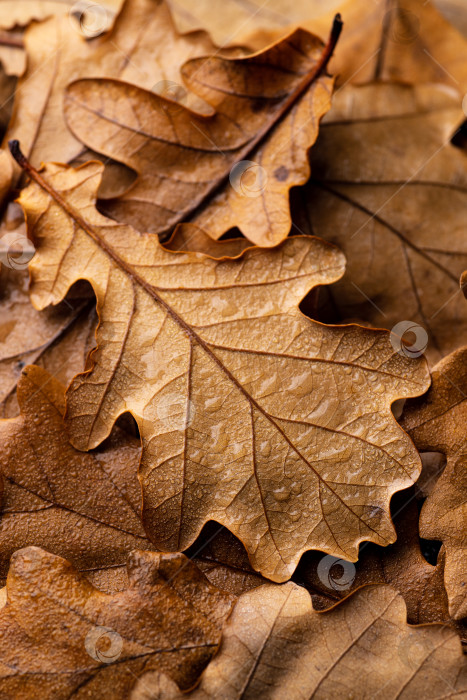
(275, 646)
(29, 336)
(390, 189)
(250, 414)
(143, 48)
(22, 12)
(85, 507)
(437, 422)
(329, 579)
(455, 12)
(60, 637)
(403, 40)
(234, 168)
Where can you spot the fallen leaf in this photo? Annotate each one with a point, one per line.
(328, 579)
(229, 383)
(84, 507)
(454, 11)
(438, 421)
(143, 48)
(61, 637)
(28, 336)
(233, 168)
(390, 40)
(390, 189)
(21, 12)
(275, 645)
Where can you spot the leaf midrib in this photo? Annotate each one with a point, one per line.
(180, 321)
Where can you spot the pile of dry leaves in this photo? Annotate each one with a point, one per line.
(233, 349)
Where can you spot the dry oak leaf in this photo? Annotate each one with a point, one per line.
(438, 421)
(82, 506)
(278, 427)
(401, 565)
(233, 168)
(61, 637)
(390, 189)
(20, 13)
(398, 40)
(275, 645)
(28, 336)
(142, 48)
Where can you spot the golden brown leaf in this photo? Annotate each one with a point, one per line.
(60, 637)
(390, 189)
(276, 646)
(438, 422)
(250, 414)
(22, 12)
(143, 48)
(398, 40)
(84, 507)
(233, 168)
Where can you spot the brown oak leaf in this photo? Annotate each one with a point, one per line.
(232, 168)
(390, 189)
(275, 645)
(61, 637)
(438, 421)
(391, 40)
(250, 414)
(143, 48)
(84, 507)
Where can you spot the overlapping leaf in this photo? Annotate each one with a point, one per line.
(83, 507)
(61, 637)
(438, 421)
(276, 646)
(391, 40)
(390, 189)
(234, 168)
(250, 414)
(143, 48)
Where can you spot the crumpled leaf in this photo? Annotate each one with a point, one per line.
(438, 422)
(275, 645)
(233, 168)
(61, 637)
(250, 414)
(143, 48)
(390, 189)
(84, 507)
